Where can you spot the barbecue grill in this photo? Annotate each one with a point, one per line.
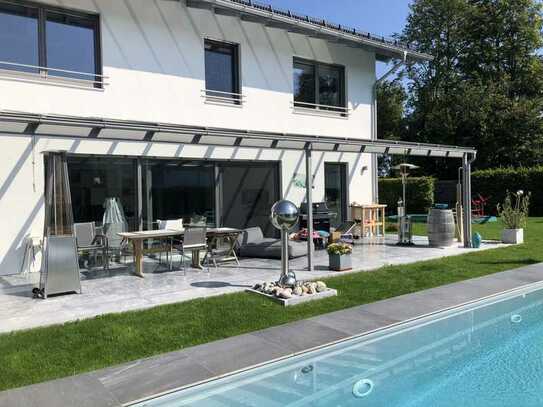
(321, 216)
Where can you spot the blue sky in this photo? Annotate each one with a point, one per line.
(382, 17)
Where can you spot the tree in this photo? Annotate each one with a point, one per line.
(484, 87)
(391, 98)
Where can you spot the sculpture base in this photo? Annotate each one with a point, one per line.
(298, 299)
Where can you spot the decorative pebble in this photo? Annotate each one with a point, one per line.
(321, 286)
(286, 293)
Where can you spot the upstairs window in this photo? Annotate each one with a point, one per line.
(18, 37)
(222, 71)
(319, 86)
(50, 41)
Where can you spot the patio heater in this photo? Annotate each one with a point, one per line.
(60, 269)
(284, 216)
(405, 235)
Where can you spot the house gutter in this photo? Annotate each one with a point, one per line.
(374, 161)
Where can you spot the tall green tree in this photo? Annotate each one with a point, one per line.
(484, 87)
(391, 99)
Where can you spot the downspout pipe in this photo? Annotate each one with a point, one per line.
(374, 164)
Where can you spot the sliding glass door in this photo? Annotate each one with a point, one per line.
(93, 179)
(335, 189)
(248, 192)
(175, 189)
(241, 193)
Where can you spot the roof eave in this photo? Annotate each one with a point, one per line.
(384, 51)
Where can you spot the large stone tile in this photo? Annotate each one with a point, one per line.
(147, 377)
(354, 321)
(77, 391)
(301, 335)
(236, 353)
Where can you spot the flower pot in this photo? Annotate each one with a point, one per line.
(340, 262)
(513, 236)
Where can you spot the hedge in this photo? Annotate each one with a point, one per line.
(419, 193)
(494, 183)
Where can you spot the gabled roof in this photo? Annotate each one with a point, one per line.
(248, 10)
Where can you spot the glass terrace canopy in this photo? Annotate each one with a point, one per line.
(105, 129)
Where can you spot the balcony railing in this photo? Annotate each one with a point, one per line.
(14, 70)
(318, 109)
(215, 96)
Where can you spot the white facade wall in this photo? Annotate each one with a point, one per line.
(153, 54)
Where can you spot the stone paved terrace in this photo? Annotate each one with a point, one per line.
(120, 290)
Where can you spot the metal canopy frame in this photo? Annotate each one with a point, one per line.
(106, 129)
(257, 12)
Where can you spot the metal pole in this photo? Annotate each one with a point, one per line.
(309, 200)
(466, 191)
(139, 184)
(284, 254)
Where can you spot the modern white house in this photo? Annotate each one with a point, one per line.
(183, 107)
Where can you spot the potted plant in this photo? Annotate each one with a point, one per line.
(513, 214)
(339, 256)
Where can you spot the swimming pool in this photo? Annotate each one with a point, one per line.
(487, 353)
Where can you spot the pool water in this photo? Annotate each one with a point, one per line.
(485, 354)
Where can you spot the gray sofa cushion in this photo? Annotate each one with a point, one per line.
(252, 243)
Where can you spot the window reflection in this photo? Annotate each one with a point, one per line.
(320, 84)
(248, 192)
(221, 70)
(178, 189)
(18, 37)
(94, 179)
(304, 83)
(71, 45)
(335, 187)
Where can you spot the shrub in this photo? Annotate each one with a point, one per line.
(419, 193)
(494, 184)
(514, 215)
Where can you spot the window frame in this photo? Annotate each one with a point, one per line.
(236, 70)
(94, 19)
(342, 85)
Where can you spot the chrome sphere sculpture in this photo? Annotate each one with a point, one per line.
(284, 216)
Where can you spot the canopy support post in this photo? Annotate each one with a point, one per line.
(466, 198)
(309, 200)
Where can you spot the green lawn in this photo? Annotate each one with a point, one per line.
(46, 353)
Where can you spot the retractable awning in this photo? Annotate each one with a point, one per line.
(100, 128)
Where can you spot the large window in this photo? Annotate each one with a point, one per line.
(318, 85)
(233, 194)
(178, 189)
(18, 37)
(62, 43)
(248, 192)
(222, 70)
(94, 179)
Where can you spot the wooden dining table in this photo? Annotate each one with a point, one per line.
(213, 234)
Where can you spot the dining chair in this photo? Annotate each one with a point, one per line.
(89, 241)
(170, 224)
(194, 240)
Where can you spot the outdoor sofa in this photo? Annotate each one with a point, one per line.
(252, 243)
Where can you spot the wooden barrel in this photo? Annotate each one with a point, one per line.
(441, 227)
